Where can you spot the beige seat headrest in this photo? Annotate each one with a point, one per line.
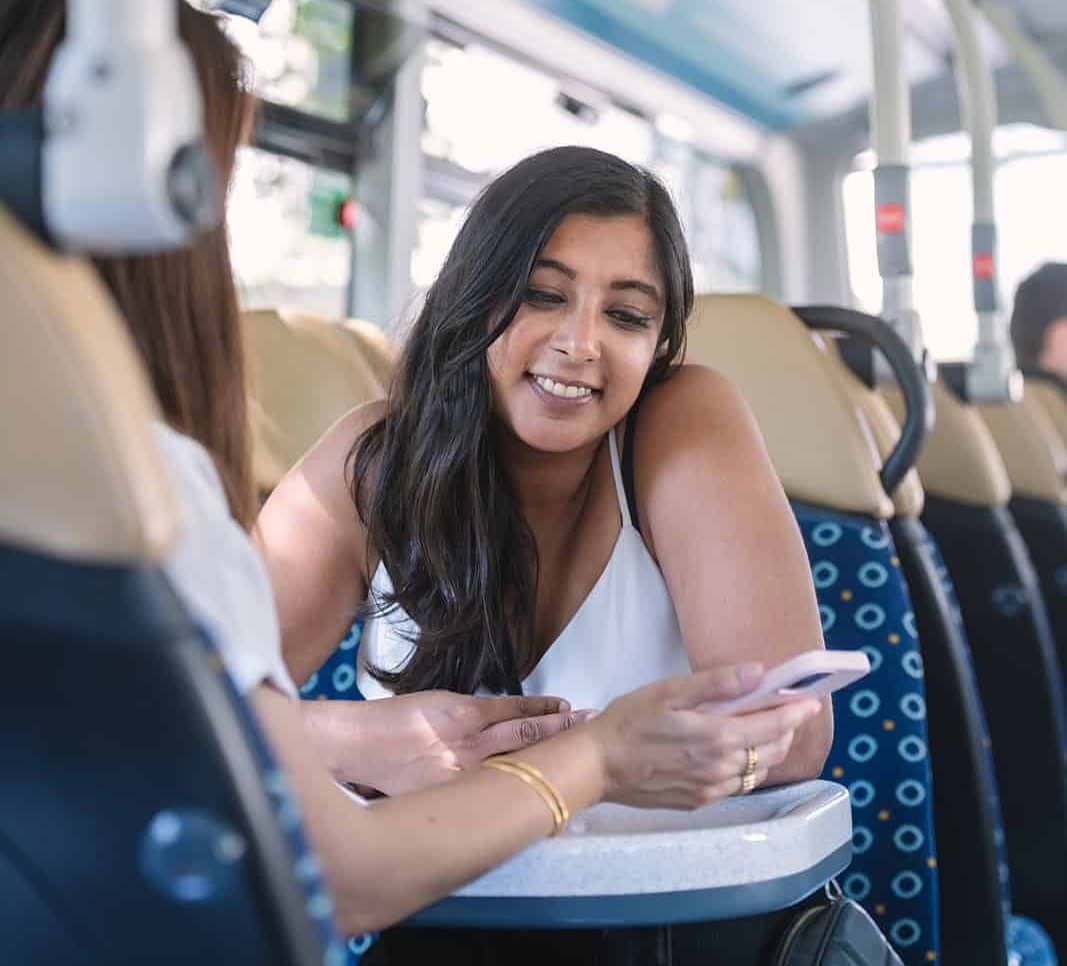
(375, 346)
(1030, 447)
(305, 373)
(1050, 398)
(82, 477)
(885, 427)
(959, 461)
(818, 440)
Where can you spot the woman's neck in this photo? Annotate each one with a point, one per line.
(546, 484)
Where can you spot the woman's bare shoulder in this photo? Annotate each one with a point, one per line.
(695, 401)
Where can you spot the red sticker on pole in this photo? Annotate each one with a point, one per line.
(890, 219)
(983, 266)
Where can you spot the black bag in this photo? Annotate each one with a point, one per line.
(837, 932)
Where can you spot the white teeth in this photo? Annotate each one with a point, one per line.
(561, 389)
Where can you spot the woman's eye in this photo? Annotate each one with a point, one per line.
(631, 319)
(537, 296)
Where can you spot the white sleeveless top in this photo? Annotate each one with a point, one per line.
(624, 634)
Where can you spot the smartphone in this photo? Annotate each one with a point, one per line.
(813, 674)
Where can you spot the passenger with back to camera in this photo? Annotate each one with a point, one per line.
(650, 747)
(548, 501)
(182, 311)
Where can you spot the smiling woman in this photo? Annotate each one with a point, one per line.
(574, 358)
(494, 545)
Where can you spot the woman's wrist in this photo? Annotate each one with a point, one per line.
(574, 762)
(331, 733)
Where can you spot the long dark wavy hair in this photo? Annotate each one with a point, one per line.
(438, 507)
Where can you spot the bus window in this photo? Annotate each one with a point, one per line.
(300, 50)
(438, 224)
(723, 236)
(485, 110)
(287, 242)
(1031, 171)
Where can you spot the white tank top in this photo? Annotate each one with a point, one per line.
(624, 634)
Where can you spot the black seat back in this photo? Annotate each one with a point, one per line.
(1007, 626)
(975, 900)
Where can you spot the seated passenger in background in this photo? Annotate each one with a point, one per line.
(648, 748)
(548, 496)
(1039, 320)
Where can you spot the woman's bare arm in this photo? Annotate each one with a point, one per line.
(649, 748)
(714, 515)
(314, 546)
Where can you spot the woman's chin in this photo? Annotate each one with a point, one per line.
(554, 439)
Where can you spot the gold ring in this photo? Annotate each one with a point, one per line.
(748, 776)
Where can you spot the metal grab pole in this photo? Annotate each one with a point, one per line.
(891, 135)
(1048, 82)
(992, 375)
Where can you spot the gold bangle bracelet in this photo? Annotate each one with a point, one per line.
(539, 776)
(537, 781)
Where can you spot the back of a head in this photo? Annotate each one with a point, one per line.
(1040, 300)
(180, 306)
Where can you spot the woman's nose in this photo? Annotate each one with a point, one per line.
(578, 335)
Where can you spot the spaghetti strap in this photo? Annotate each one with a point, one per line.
(616, 472)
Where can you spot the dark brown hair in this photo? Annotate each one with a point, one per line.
(181, 306)
(1040, 300)
(426, 481)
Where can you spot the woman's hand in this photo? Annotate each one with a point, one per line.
(659, 750)
(404, 743)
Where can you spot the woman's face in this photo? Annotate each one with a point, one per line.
(571, 363)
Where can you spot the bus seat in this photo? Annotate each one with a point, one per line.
(308, 372)
(141, 819)
(1030, 447)
(304, 374)
(1048, 390)
(376, 347)
(845, 476)
(1036, 460)
(967, 510)
(976, 920)
(880, 742)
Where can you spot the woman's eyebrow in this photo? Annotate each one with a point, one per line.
(558, 266)
(635, 283)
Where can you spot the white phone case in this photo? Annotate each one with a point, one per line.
(813, 674)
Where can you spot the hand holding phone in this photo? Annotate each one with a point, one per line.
(813, 674)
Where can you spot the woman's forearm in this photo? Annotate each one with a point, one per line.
(397, 856)
(331, 736)
(807, 755)
(427, 844)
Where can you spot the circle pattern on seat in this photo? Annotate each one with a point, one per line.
(880, 750)
(336, 681)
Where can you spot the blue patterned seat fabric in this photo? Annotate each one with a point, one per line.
(1028, 944)
(287, 814)
(336, 680)
(880, 745)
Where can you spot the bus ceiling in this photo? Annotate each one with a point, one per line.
(746, 57)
